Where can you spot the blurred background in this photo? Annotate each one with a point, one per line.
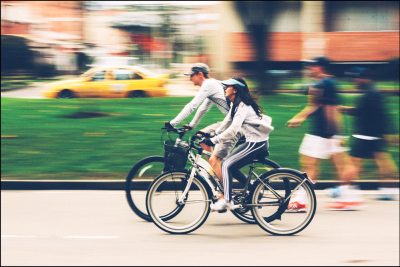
(44, 44)
(263, 39)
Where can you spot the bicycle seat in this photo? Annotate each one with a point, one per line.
(266, 160)
(259, 159)
(262, 157)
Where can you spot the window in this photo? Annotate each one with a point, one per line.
(125, 74)
(122, 74)
(137, 76)
(99, 75)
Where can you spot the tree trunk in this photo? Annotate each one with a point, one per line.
(257, 17)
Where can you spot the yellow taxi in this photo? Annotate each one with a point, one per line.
(111, 82)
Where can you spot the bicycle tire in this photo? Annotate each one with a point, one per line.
(131, 187)
(243, 214)
(178, 182)
(296, 179)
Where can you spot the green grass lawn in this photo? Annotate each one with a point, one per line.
(40, 139)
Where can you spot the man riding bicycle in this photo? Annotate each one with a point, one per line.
(211, 93)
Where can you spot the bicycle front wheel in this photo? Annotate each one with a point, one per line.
(162, 199)
(270, 196)
(138, 181)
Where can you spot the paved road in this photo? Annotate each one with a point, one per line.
(97, 228)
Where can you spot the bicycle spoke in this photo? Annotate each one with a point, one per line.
(163, 199)
(285, 221)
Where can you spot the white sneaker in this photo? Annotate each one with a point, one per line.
(232, 206)
(388, 194)
(220, 205)
(334, 192)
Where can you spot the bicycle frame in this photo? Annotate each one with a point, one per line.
(201, 167)
(262, 183)
(280, 198)
(203, 170)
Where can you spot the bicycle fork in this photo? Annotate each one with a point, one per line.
(198, 165)
(182, 198)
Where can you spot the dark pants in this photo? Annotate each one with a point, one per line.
(239, 157)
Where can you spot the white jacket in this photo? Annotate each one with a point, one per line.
(211, 92)
(246, 120)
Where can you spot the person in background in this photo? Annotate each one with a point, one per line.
(372, 131)
(323, 139)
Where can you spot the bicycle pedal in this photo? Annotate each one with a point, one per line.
(219, 211)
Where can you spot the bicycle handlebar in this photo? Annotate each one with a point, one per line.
(180, 131)
(199, 136)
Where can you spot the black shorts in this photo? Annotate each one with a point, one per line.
(361, 148)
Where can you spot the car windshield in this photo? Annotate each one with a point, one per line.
(145, 71)
(87, 73)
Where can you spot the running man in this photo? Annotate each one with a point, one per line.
(372, 127)
(323, 141)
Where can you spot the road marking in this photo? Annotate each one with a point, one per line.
(19, 236)
(65, 237)
(90, 237)
(58, 192)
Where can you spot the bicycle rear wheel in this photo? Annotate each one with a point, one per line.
(138, 181)
(261, 166)
(162, 199)
(271, 197)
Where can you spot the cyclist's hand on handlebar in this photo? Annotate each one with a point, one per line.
(203, 134)
(187, 127)
(207, 142)
(206, 135)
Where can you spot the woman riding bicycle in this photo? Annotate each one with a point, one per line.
(244, 115)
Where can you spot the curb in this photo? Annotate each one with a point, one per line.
(120, 185)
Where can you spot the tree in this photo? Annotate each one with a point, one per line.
(15, 54)
(257, 16)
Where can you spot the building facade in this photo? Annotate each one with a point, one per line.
(344, 31)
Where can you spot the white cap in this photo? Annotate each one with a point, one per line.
(198, 67)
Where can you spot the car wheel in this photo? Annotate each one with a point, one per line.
(66, 94)
(136, 94)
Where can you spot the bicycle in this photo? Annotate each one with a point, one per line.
(144, 171)
(266, 196)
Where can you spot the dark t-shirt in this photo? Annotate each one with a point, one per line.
(371, 116)
(325, 93)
